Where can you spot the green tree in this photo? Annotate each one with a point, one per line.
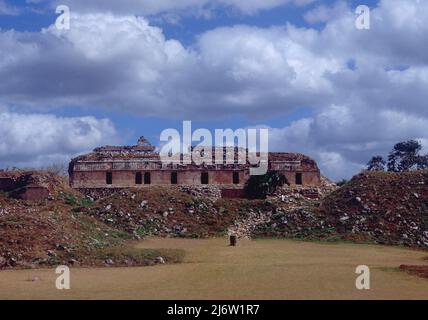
(376, 163)
(405, 157)
(423, 162)
(259, 187)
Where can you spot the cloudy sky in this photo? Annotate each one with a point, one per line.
(135, 67)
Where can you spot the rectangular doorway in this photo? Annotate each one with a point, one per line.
(109, 178)
(138, 178)
(299, 179)
(236, 178)
(147, 178)
(174, 178)
(204, 178)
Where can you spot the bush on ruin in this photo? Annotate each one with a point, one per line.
(259, 187)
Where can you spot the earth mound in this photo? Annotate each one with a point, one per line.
(49, 231)
(388, 208)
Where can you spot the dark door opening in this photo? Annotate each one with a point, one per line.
(147, 178)
(109, 178)
(138, 178)
(236, 178)
(299, 179)
(174, 179)
(204, 178)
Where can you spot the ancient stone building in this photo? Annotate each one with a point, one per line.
(25, 185)
(140, 166)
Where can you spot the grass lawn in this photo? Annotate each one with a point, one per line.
(258, 269)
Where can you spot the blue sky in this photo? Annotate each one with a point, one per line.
(298, 67)
(191, 26)
(36, 16)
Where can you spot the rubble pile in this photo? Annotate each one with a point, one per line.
(53, 232)
(299, 222)
(96, 194)
(35, 236)
(327, 186)
(384, 208)
(388, 208)
(292, 214)
(246, 228)
(289, 193)
(165, 211)
(211, 192)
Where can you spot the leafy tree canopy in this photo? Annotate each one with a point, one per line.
(405, 157)
(376, 163)
(259, 187)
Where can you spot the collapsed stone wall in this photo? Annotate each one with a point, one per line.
(210, 192)
(30, 185)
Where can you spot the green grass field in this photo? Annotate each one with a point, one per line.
(258, 269)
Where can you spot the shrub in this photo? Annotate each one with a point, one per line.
(259, 187)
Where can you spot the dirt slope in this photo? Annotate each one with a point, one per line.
(389, 208)
(171, 211)
(52, 231)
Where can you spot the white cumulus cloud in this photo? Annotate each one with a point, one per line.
(43, 139)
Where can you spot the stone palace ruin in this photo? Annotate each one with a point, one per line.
(141, 166)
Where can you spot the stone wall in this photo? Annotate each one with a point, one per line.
(309, 178)
(24, 185)
(123, 163)
(126, 179)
